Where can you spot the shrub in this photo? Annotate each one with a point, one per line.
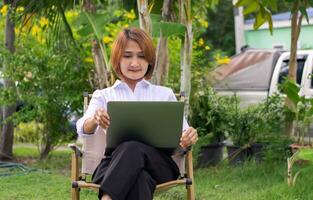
(28, 132)
(211, 113)
(50, 81)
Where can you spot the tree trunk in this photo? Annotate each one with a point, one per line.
(295, 32)
(102, 71)
(144, 16)
(89, 6)
(292, 73)
(46, 149)
(162, 56)
(1, 119)
(186, 51)
(6, 142)
(162, 61)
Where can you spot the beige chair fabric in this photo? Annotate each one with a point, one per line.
(93, 150)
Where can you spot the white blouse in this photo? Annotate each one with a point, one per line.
(144, 91)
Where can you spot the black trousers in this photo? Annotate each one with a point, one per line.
(133, 170)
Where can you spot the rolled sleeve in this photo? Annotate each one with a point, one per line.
(97, 101)
(185, 124)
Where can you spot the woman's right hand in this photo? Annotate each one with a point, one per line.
(102, 118)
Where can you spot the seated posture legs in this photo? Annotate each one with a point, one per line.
(133, 171)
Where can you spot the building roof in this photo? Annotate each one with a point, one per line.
(248, 70)
(286, 16)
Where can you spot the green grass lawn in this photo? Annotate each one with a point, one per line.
(50, 180)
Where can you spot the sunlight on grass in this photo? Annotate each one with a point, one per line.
(306, 154)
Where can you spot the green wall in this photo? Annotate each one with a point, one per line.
(263, 39)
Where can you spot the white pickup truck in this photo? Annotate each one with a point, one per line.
(255, 74)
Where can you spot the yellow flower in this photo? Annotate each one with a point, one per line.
(222, 61)
(207, 48)
(203, 23)
(4, 10)
(41, 39)
(130, 15)
(35, 30)
(20, 9)
(71, 13)
(201, 42)
(43, 21)
(107, 39)
(88, 60)
(17, 30)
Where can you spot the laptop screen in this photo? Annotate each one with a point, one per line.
(158, 124)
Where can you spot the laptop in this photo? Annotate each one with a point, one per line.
(155, 123)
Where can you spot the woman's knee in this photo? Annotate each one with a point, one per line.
(129, 148)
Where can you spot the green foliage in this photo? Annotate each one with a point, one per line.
(217, 117)
(245, 126)
(272, 117)
(211, 113)
(262, 123)
(221, 22)
(291, 89)
(263, 9)
(102, 23)
(28, 132)
(50, 82)
(301, 109)
(173, 79)
(166, 29)
(306, 154)
(277, 149)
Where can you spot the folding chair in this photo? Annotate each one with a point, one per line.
(93, 151)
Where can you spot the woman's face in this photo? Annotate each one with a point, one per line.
(133, 63)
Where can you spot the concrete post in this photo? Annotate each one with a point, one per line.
(239, 27)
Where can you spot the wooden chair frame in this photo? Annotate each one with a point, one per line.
(79, 179)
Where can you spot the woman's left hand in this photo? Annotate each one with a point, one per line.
(189, 137)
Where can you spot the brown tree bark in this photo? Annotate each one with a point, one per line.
(7, 132)
(296, 21)
(162, 55)
(102, 73)
(144, 16)
(186, 51)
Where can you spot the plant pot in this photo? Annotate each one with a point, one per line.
(210, 155)
(257, 151)
(237, 155)
(295, 147)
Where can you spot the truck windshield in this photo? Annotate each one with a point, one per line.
(284, 69)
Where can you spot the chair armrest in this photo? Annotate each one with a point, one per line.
(78, 152)
(189, 148)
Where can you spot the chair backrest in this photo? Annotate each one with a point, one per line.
(93, 146)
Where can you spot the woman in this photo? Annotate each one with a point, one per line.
(133, 169)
